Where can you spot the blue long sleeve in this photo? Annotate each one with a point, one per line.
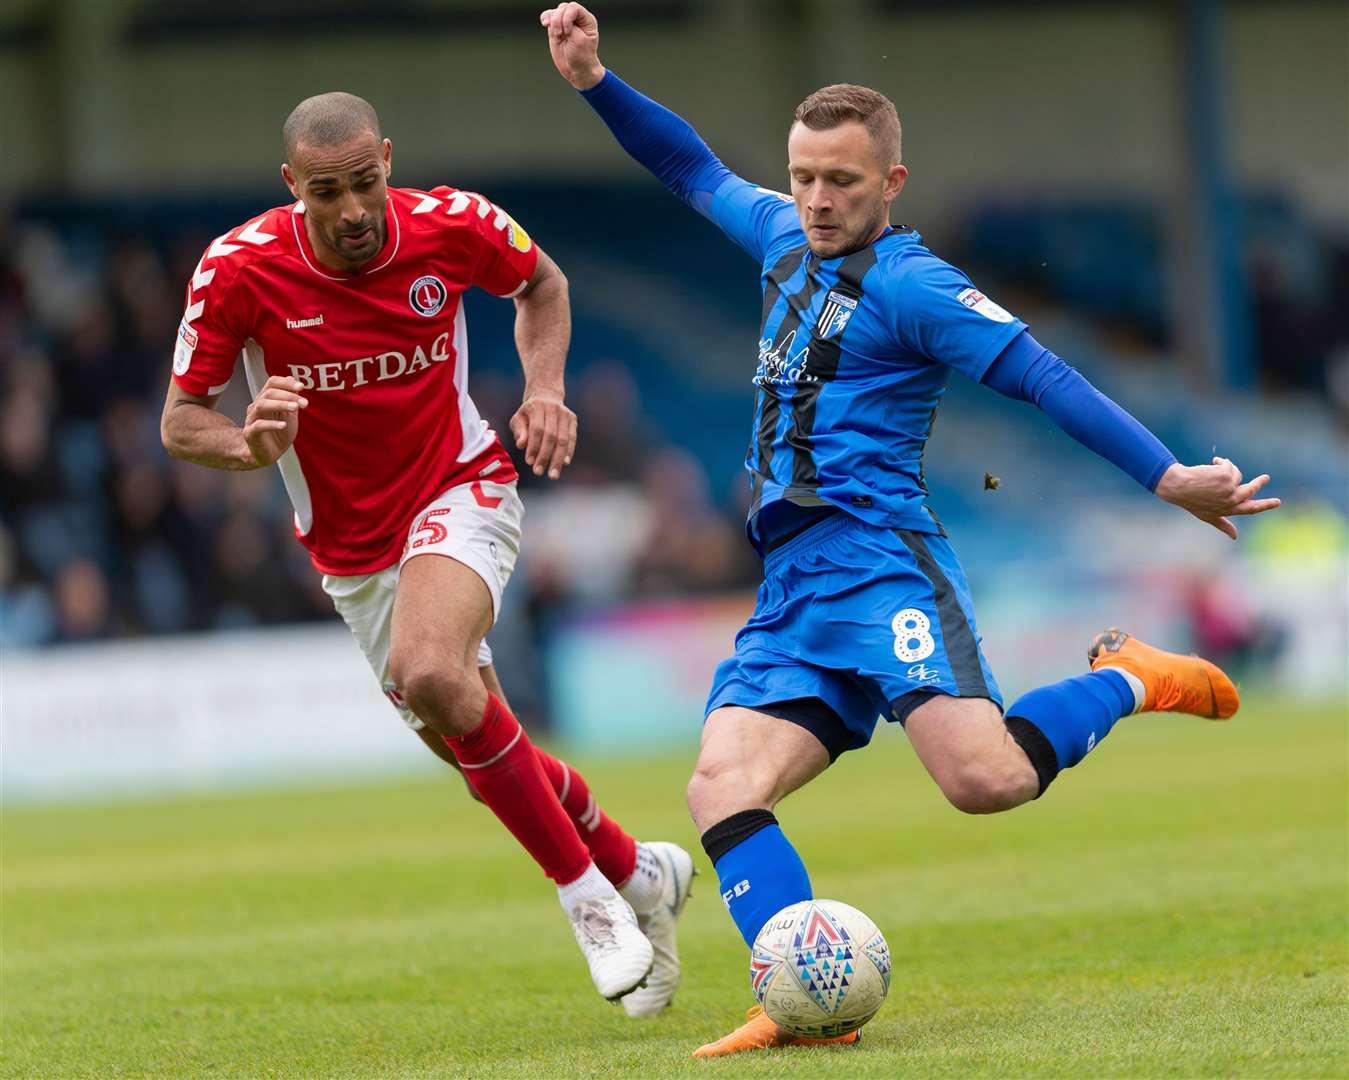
(660, 140)
(667, 145)
(1027, 371)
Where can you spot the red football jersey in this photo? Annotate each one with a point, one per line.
(383, 355)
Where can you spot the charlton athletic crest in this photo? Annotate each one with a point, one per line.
(427, 295)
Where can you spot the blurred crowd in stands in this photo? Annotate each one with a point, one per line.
(102, 535)
(1301, 328)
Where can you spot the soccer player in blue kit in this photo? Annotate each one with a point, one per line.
(864, 610)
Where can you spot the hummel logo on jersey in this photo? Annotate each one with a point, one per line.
(834, 316)
(300, 324)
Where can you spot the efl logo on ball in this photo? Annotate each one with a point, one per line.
(428, 295)
(820, 968)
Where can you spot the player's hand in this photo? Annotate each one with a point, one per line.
(1214, 493)
(574, 41)
(273, 420)
(546, 430)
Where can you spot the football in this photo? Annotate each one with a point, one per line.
(820, 968)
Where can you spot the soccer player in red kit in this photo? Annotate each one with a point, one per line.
(345, 308)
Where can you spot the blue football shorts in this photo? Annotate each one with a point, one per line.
(865, 619)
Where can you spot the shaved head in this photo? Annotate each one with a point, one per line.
(338, 167)
(329, 120)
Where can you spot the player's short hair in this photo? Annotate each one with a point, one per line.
(328, 120)
(830, 106)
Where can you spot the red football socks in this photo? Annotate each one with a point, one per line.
(501, 764)
(614, 851)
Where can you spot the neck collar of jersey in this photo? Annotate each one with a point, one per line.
(392, 236)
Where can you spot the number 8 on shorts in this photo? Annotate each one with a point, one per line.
(912, 640)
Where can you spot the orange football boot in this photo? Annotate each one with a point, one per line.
(759, 1033)
(1171, 682)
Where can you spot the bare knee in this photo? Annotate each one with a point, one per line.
(707, 790)
(750, 761)
(447, 695)
(969, 752)
(720, 787)
(987, 786)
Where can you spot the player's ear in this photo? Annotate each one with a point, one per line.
(894, 182)
(289, 177)
(388, 158)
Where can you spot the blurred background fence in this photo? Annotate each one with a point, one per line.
(1160, 189)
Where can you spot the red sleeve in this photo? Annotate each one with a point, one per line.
(211, 334)
(505, 255)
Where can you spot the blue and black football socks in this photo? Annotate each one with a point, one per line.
(1059, 724)
(759, 870)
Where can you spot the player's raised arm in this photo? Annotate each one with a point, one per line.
(656, 137)
(660, 140)
(574, 41)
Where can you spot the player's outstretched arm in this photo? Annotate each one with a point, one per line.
(543, 426)
(1214, 493)
(193, 429)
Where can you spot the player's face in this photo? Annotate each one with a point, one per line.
(842, 194)
(344, 189)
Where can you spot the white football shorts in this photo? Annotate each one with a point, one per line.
(477, 524)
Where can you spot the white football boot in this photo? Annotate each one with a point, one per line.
(658, 924)
(619, 955)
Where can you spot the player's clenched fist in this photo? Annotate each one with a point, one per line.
(574, 41)
(1213, 492)
(273, 420)
(546, 430)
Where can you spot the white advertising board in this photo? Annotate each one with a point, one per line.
(190, 712)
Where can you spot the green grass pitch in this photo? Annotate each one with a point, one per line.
(1175, 907)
